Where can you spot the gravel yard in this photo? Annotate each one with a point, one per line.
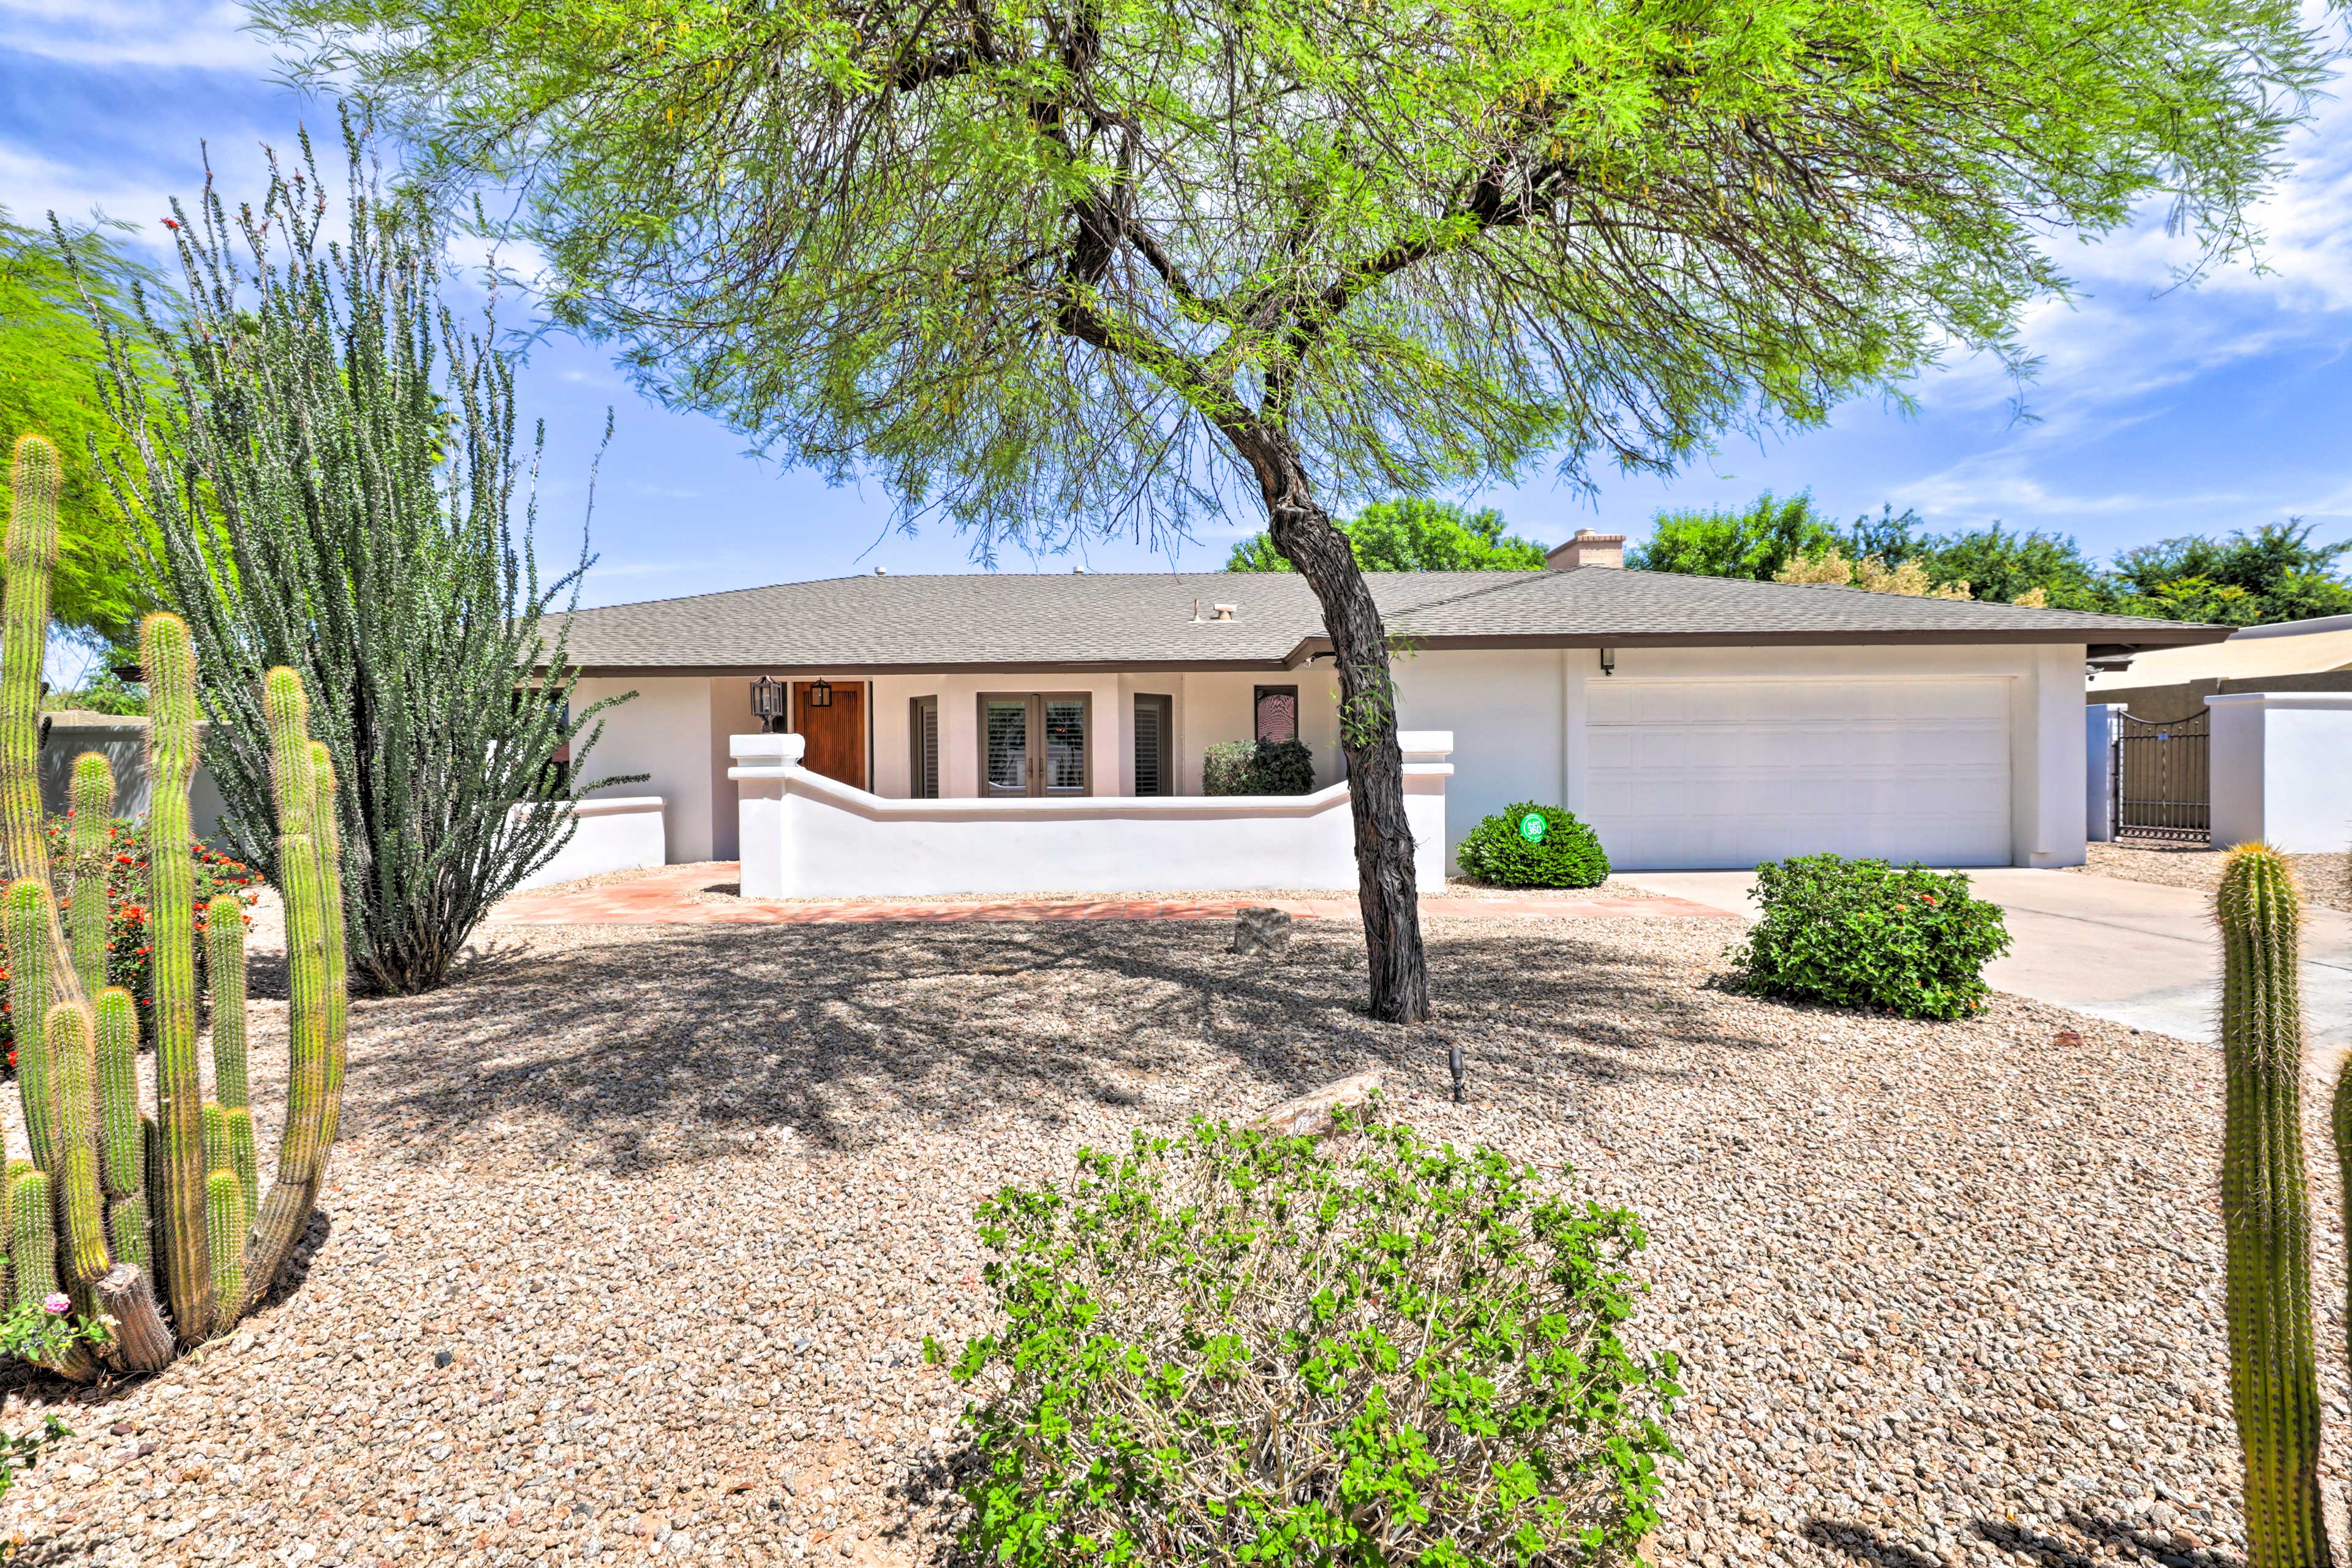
(2324, 877)
(635, 1233)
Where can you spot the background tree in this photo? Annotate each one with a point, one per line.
(1098, 260)
(1411, 535)
(2275, 574)
(1757, 543)
(51, 358)
(342, 508)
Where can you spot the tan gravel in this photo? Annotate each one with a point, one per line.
(2324, 878)
(678, 1205)
(716, 882)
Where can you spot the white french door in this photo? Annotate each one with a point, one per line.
(1033, 743)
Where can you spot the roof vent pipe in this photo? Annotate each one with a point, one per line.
(1196, 610)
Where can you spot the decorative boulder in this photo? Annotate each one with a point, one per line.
(1310, 1115)
(1261, 930)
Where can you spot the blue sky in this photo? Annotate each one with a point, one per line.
(2159, 411)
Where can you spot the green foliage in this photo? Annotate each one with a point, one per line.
(390, 577)
(1755, 543)
(2275, 574)
(2266, 1209)
(50, 357)
(1018, 272)
(1433, 1334)
(101, 691)
(1499, 851)
(1863, 933)
(1411, 535)
(1257, 767)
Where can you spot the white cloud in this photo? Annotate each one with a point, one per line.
(131, 33)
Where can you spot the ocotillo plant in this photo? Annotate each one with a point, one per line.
(2266, 1217)
(79, 1212)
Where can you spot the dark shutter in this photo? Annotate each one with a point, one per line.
(1151, 742)
(927, 748)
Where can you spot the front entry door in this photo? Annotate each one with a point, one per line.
(1033, 745)
(835, 733)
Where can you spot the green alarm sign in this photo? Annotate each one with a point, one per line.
(1532, 826)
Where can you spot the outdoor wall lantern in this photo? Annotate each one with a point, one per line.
(1607, 661)
(768, 704)
(821, 694)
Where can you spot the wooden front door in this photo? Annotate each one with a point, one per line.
(835, 733)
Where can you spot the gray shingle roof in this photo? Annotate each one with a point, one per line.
(1132, 620)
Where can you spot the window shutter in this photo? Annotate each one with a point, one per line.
(1151, 745)
(927, 748)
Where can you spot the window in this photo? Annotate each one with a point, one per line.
(923, 763)
(1277, 712)
(1034, 744)
(1153, 740)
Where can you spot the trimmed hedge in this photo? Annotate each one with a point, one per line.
(1257, 767)
(1567, 856)
(1864, 933)
(1431, 1333)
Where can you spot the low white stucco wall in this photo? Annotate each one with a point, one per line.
(622, 834)
(2278, 767)
(805, 836)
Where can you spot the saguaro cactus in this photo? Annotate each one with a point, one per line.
(2266, 1217)
(82, 1200)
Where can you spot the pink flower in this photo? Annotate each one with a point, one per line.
(58, 1304)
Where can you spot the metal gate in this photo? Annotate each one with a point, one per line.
(2163, 781)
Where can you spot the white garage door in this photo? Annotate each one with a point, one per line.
(1697, 773)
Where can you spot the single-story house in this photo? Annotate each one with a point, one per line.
(1694, 722)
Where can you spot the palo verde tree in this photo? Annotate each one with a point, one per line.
(343, 504)
(1094, 259)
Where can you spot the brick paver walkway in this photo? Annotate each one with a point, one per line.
(662, 899)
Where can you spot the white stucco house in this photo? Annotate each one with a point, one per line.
(983, 732)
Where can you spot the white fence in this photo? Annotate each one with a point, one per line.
(623, 834)
(2278, 770)
(807, 835)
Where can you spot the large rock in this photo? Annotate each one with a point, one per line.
(1261, 930)
(1310, 1115)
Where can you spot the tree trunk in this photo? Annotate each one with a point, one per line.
(1303, 531)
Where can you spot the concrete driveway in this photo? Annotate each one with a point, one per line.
(2139, 953)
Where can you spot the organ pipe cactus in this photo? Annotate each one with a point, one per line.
(114, 1203)
(2274, 1381)
(86, 844)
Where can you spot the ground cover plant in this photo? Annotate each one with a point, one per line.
(1864, 933)
(1229, 1345)
(1531, 846)
(159, 1229)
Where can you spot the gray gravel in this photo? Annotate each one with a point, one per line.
(678, 1205)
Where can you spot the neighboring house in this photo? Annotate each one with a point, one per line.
(2162, 685)
(2224, 741)
(1694, 722)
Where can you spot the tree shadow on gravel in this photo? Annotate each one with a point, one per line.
(2135, 1541)
(1864, 1546)
(654, 1046)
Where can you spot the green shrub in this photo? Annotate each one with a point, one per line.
(1499, 851)
(1863, 933)
(1229, 1346)
(1257, 767)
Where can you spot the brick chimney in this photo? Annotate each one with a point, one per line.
(1587, 549)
